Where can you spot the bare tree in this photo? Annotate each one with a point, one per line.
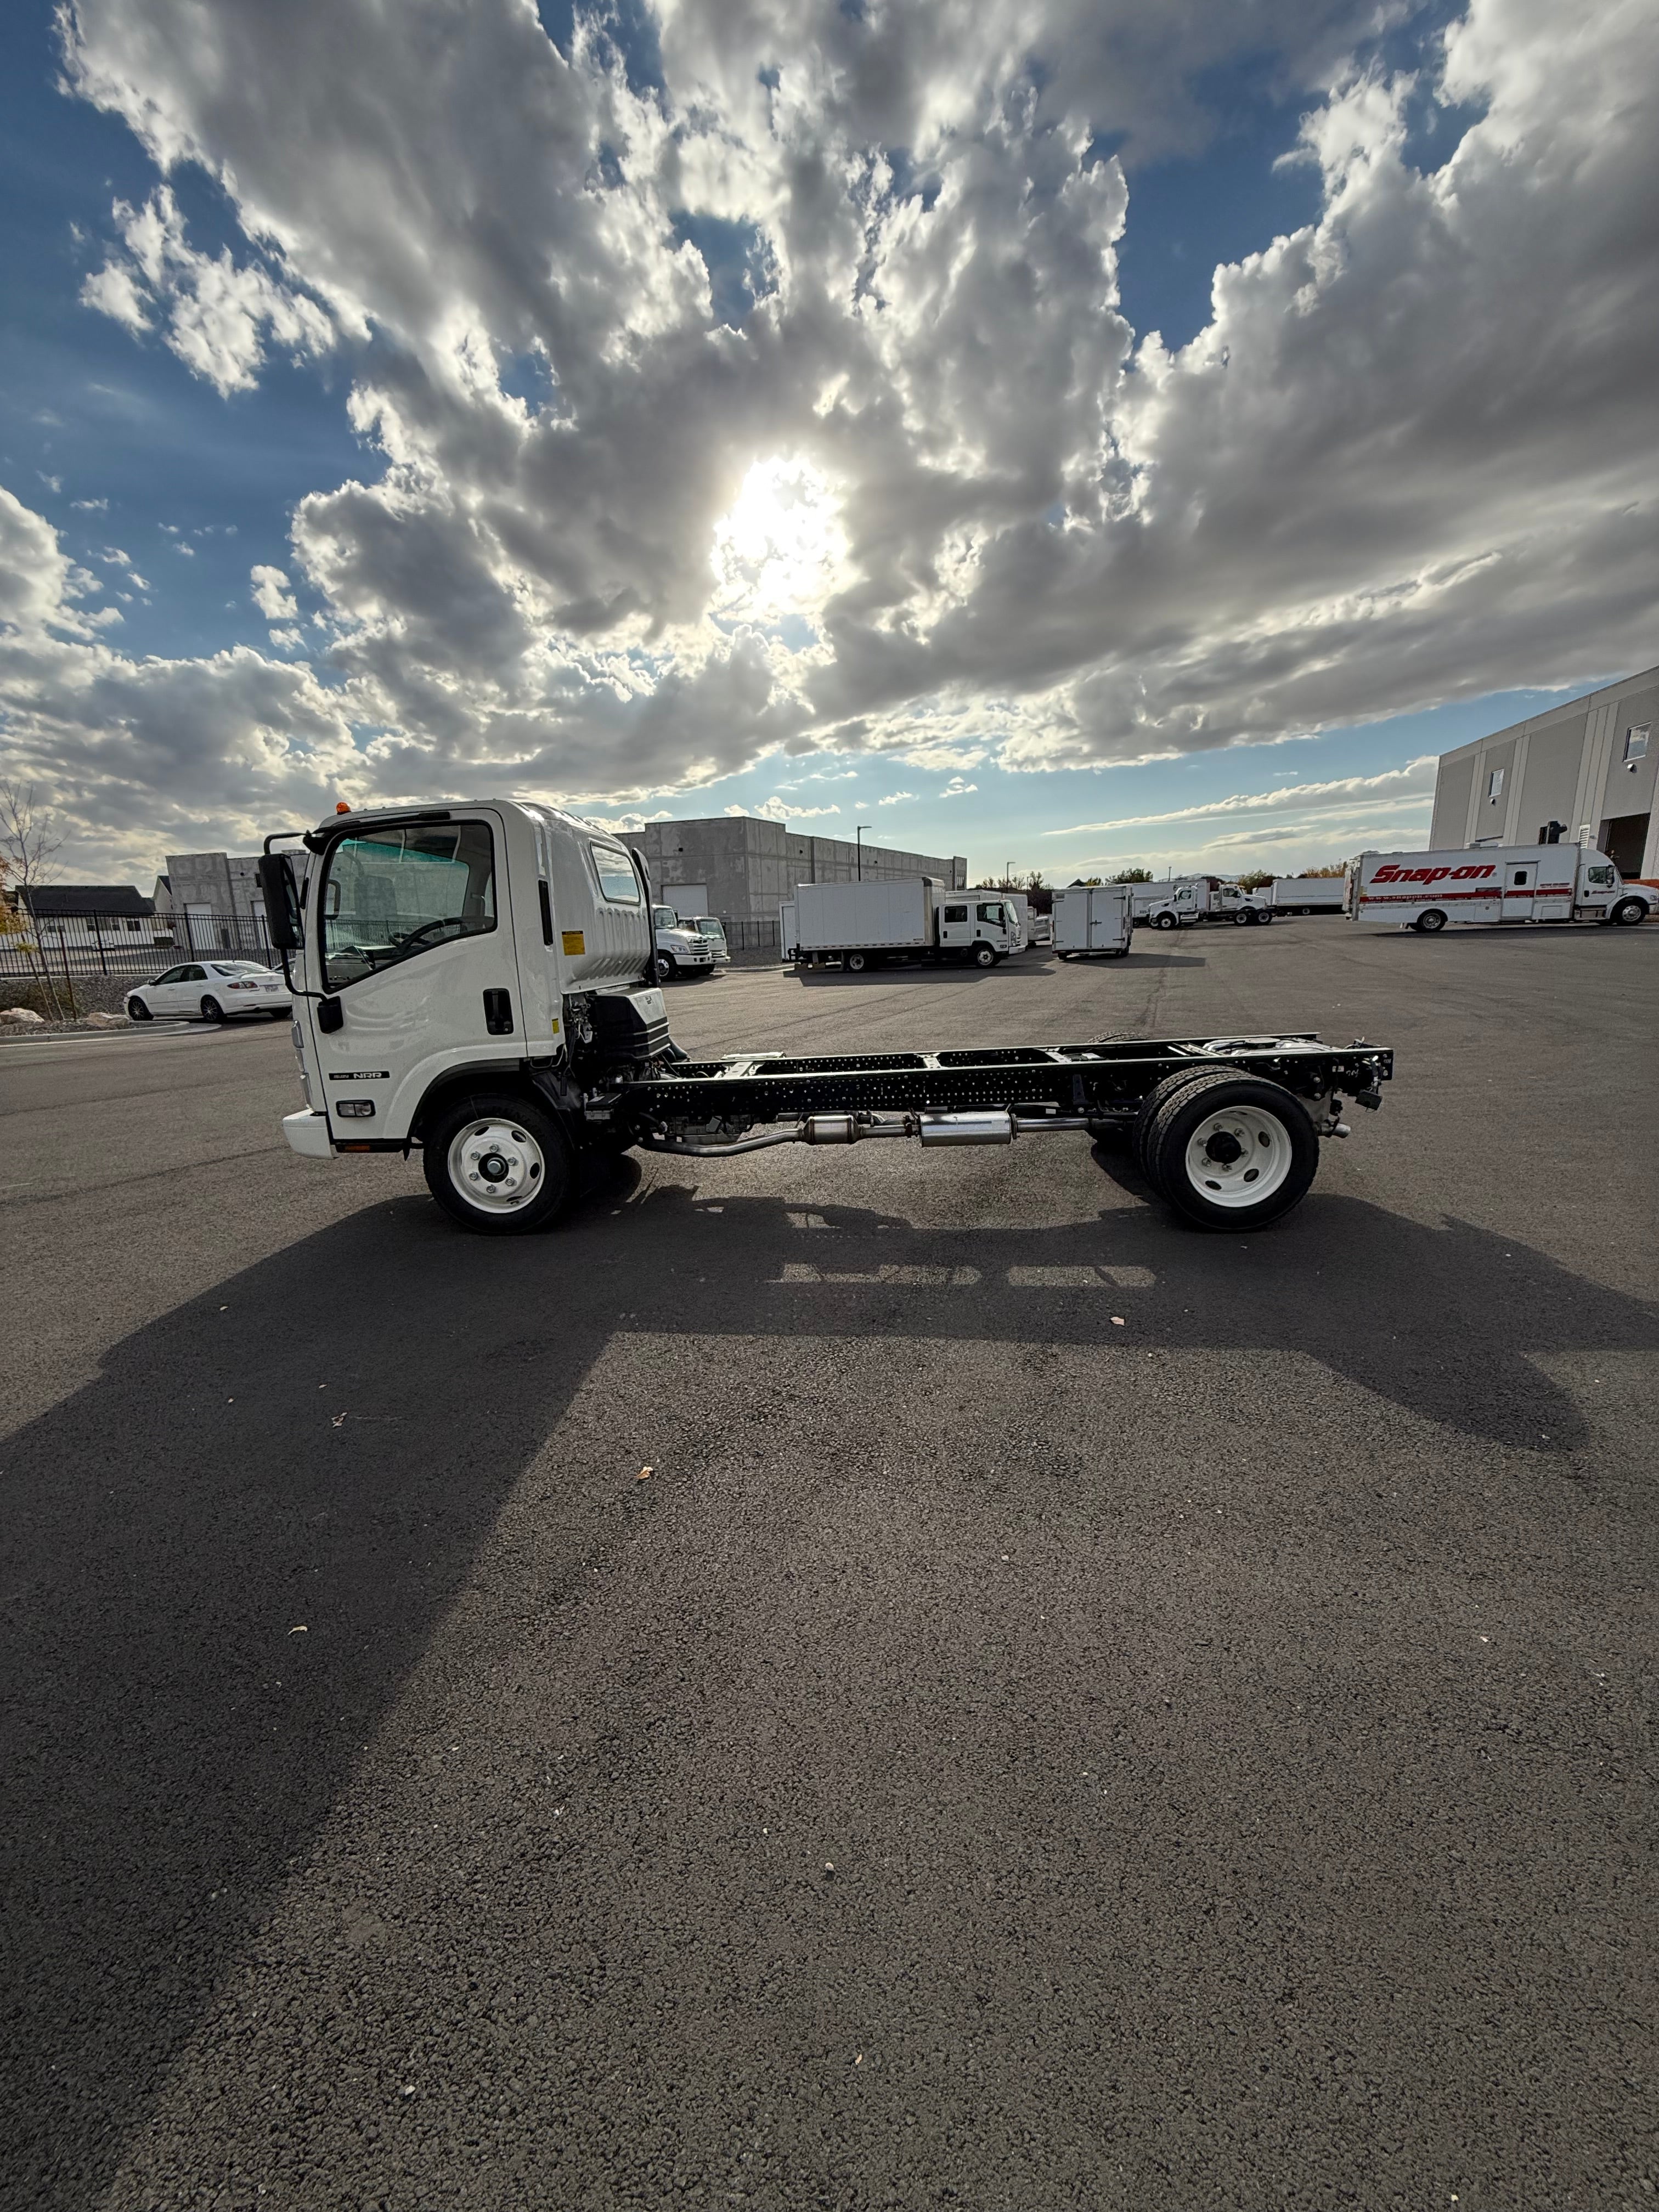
(28, 841)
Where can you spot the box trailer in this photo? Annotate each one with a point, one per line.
(868, 925)
(1308, 894)
(1093, 921)
(1494, 884)
(476, 979)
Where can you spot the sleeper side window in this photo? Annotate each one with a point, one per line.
(617, 881)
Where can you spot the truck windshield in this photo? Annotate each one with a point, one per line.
(392, 894)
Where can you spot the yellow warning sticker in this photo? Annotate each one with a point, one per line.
(574, 941)
(555, 1025)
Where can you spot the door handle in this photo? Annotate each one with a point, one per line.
(498, 1012)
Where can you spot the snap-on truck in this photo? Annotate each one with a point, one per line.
(1494, 884)
(477, 980)
(870, 925)
(1093, 921)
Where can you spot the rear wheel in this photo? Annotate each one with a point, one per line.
(212, 1010)
(138, 1012)
(1426, 924)
(855, 963)
(1628, 913)
(498, 1165)
(1233, 1152)
(1153, 1105)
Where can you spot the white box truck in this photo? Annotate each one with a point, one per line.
(870, 923)
(1494, 884)
(1308, 894)
(475, 979)
(1093, 921)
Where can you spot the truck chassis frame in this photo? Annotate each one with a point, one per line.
(1067, 1086)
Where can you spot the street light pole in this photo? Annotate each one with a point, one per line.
(861, 828)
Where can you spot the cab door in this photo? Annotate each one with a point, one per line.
(955, 929)
(416, 948)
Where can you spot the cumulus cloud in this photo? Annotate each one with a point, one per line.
(272, 594)
(894, 797)
(785, 400)
(777, 809)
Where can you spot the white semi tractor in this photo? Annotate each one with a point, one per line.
(875, 923)
(1188, 899)
(1494, 884)
(476, 980)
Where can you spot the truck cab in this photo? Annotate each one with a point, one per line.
(462, 976)
(681, 948)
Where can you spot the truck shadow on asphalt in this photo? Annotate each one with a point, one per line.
(327, 1440)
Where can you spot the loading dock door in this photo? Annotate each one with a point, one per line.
(1624, 839)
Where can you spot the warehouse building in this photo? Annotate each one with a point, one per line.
(1583, 771)
(742, 868)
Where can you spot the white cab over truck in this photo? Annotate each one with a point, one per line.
(476, 980)
(867, 925)
(1093, 921)
(1308, 894)
(1493, 884)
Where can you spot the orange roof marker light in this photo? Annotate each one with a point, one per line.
(343, 806)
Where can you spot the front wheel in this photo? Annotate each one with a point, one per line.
(1165, 921)
(1233, 1152)
(498, 1165)
(1426, 924)
(1628, 913)
(212, 1010)
(984, 957)
(138, 1012)
(667, 968)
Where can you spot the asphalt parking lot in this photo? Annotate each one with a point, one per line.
(1081, 1713)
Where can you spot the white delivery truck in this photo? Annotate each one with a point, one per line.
(475, 979)
(867, 925)
(1174, 905)
(1308, 894)
(1092, 920)
(681, 949)
(1494, 884)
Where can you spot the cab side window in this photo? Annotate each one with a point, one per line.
(993, 914)
(956, 914)
(391, 895)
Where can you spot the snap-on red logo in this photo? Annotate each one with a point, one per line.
(1390, 874)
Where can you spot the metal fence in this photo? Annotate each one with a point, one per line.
(70, 946)
(761, 936)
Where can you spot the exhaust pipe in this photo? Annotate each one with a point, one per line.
(987, 1126)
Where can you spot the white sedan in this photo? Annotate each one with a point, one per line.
(213, 990)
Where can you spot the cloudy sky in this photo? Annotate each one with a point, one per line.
(1062, 431)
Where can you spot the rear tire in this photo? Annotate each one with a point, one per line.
(138, 1012)
(1233, 1152)
(1152, 1105)
(855, 964)
(498, 1165)
(212, 1010)
(1628, 913)
(1426, 925)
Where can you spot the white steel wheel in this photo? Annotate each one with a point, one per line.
(1238, 1156)
(496, 1165)
(984, 957)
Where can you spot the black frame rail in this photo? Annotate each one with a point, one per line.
(1108, 1080)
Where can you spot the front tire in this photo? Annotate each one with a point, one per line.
(138, 1012)
(1628, 913)
(667, 968)
(1427, 925)
(498, 1165)
(1163, 922)
(984, 957)
(1233, 1152)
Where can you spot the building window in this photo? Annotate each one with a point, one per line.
(1636, 743)
(1495, 787)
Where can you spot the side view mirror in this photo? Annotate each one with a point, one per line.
(282, 900)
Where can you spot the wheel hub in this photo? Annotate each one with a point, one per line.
(494, 1165)
(1238, 1156)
